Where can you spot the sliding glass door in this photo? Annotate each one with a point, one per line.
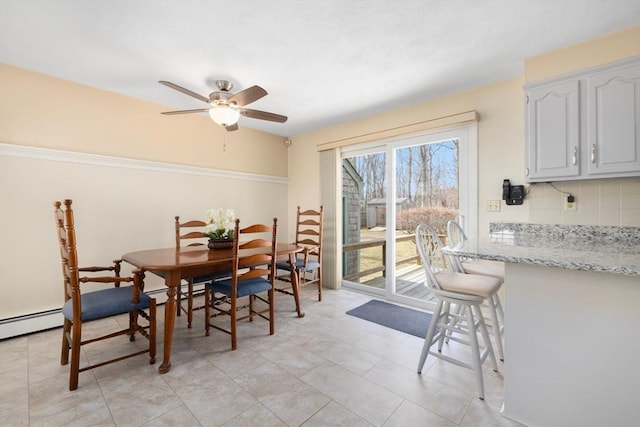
(388, 188)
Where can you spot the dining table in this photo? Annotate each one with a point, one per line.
(175, 264)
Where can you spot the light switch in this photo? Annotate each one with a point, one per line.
(493, 205)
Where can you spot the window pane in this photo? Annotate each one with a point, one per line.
(364, 191)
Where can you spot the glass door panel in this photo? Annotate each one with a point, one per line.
(426, 187)
(364, 193)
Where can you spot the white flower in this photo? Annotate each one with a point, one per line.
(220, 223)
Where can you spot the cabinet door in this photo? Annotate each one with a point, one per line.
(553, 131)
(613, 117)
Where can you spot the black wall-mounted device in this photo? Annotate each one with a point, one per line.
(512, 194)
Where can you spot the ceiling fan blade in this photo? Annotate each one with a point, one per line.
(263, 115)
(199, 110)
(231, 127)
(247, 96)
(184, 90)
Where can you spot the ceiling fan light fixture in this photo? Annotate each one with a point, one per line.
(224, 115)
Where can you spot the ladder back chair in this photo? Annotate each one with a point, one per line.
(81, 307)
(308, 264)
(192, 233)
(252, 275)
(450, 287)
(482, 267)
(194, 236)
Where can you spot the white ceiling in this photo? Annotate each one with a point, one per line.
(323, 62)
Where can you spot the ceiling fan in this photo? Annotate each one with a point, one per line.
(225, 107)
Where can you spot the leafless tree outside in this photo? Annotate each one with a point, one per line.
(426, 175)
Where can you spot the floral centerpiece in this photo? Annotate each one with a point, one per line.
(220, 227)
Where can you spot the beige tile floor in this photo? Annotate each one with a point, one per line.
(326, 369)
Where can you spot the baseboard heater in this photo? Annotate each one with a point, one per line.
(49, 319)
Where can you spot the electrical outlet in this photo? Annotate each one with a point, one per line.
(493, 205)
(570, 206)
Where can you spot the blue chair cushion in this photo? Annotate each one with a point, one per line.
(245, 287)
(106, 302)
(311, 265)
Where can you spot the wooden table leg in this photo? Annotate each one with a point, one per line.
(295, 284)
(172, 281)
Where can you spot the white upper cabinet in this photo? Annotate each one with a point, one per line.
(613, 118)
(585, 125)
(553, 130)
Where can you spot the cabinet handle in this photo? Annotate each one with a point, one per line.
(593, 153)
(574, 158)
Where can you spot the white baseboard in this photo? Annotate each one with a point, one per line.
(30, 323)
(51, 319)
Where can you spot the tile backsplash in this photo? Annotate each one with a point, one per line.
(614, 201)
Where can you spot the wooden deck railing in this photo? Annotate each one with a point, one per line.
(382, 243)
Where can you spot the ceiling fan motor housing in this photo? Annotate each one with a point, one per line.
(224, 85)
(223, 94)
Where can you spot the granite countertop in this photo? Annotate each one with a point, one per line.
(589, 248)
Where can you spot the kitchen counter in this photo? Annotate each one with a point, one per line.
(572, 322)
(587, 248)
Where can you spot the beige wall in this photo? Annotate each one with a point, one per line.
(610, 48)
(43, 111)
(129, 171)
(120, 206)
(500, 144)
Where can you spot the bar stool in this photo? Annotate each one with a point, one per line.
(464, 290)
(481, 267)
